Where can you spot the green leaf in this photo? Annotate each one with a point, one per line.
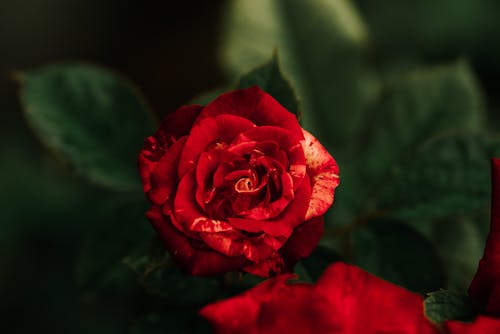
(160, 276)
(460, 243)
(270, 78)
(315, 264)
(446, 176)
(445, 305)
(207, 97)
(90, 117)
(416, 106)
(469, 28)
(398, 253)
(321, 45)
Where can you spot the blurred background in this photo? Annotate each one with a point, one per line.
(169, 50)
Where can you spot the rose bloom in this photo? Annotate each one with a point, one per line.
(237, 184)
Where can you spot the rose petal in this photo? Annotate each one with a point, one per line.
(178, 124)
(256, 105)
(234, 243)
(484, 288)
(197, 261)
(482, 325)
(277, 229)
(164, 178)
(276, 207)
(189, 214)
(283, 225)
(235, 315)
(324, 174)
(229, 243)
(311, 313)
(303, 241)
(269, 266)
(211, 166)
(218, 130)
(147, 162)
(364, 303)
(174, 126)
(240, 314)
(286, 141)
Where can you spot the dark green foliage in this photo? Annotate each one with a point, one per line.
(398, 253)
(314, 265)
(89, 117)
(416, 106)
(320, 43)
(445, 177)
(160, 276)
(445, 305)
(270, 78)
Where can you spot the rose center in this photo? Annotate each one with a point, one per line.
(244, 185)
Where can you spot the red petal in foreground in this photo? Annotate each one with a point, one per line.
(346, 300)
(240, 314)
(485, 287)
(324, 174)
(482, 325)
(364, 303)
(197, 261)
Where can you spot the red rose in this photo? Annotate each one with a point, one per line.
(345, 300)
(485, 287)
(237, 184)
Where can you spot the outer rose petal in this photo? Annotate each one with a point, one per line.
(197, 261)
(220, 129)
(234, 243)
(269, 266)
(164, 178)
(364, 303)
(482, 325)
(256, 105)
(485, 287)
(324, 174)
(174, 126)
(178, 124)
